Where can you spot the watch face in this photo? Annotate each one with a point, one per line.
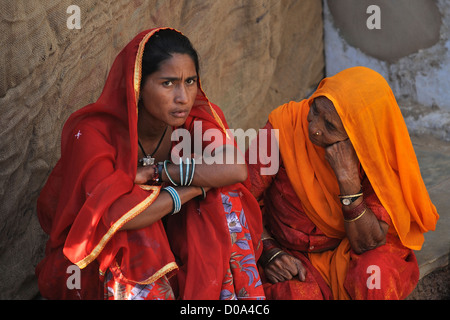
(346, 202)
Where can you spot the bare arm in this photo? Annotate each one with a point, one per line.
(162, 206)
(206, 175)
(228, 167)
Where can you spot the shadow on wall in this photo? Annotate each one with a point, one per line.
(387, 30)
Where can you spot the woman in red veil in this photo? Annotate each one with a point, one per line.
(138, 225)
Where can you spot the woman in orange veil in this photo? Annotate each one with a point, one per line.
(135, 224)
(348, 204)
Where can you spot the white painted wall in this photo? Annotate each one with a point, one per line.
(420, 81)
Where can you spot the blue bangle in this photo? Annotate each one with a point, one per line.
(167, 173)
(176, 199)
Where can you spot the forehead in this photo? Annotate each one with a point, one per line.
(327, 110)
(323, 104)
(179, 62)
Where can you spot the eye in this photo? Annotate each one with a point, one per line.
(329, 125)
(167, 83)
(191, 81)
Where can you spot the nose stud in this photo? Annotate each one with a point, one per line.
(317, 133)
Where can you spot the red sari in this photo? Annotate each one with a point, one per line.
(91, 194)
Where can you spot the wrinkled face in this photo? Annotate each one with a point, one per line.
(325, 126)
(169, 93)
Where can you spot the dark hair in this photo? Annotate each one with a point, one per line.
(161, 46)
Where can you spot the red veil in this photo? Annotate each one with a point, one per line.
(91, 194)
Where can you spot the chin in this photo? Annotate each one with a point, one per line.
(178, 122)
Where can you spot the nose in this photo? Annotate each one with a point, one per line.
(181, 94)
(313, 128)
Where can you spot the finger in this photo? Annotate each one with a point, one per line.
(301, 270)
(278, 272)
(290, 265)
(283, 269)
(272, 276)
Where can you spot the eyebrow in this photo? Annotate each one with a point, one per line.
(178, 79)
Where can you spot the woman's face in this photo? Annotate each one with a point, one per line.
(325, 126)
(169, 93)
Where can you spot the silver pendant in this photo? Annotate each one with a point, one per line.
(148, 161)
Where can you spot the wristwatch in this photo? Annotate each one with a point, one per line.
(349, 199)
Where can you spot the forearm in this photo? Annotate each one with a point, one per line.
(364, 231)
(222, 172)
(162, 206)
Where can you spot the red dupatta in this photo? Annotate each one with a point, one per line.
(91, 194)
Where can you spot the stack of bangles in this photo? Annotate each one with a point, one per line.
(270, 251)
(187, 170)
(185, 179)
(176, 199)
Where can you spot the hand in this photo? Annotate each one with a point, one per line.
(144, 174)
(285, 267)
(343, 160)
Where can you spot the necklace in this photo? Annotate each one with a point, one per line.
(148, 159)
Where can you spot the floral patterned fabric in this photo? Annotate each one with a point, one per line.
(242, 280)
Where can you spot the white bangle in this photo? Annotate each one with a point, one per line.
(192, 171)
(187, 172)
(181, 172)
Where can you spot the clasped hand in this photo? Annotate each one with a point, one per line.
(285, 267)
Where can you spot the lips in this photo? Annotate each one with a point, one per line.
(180, 113)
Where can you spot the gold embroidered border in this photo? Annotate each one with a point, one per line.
(119, 224)
(171, 266)
(138, 65)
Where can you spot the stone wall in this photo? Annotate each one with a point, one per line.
(255, 55)
(411, 50)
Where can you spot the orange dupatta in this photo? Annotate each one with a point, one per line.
(375, 126)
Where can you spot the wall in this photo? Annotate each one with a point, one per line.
(255, 55)
(411, 50)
